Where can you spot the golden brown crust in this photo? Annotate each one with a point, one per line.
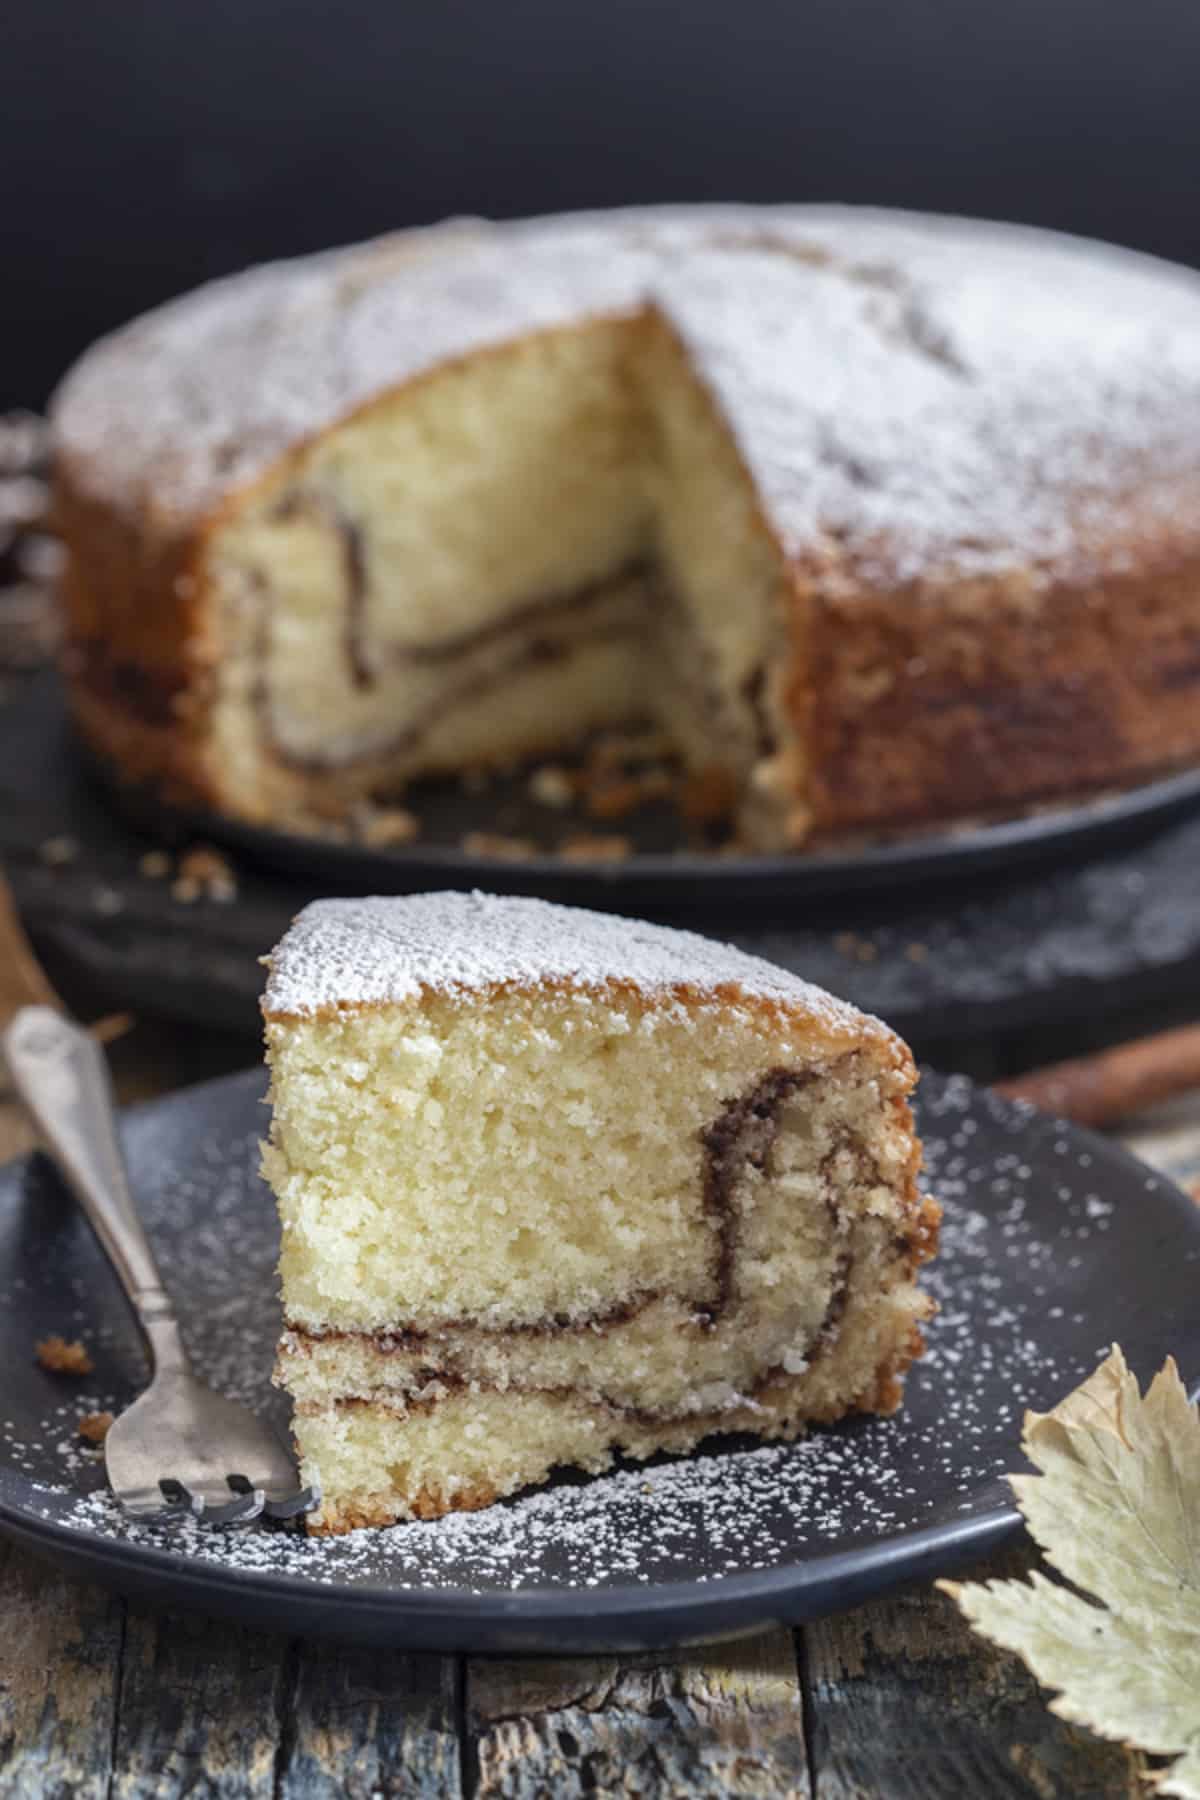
(139, 644)
(813, 1031)
(334, 1521)
(941, 701)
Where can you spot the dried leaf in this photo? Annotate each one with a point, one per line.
(1116, 1510)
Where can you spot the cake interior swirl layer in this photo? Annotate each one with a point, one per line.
(492, 563)
(563, 1224)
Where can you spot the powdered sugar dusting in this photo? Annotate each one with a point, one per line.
(393, 948)
(1032, 1282)
(933, 396)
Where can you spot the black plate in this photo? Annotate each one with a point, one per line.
(1055, 1244)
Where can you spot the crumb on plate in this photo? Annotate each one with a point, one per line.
(494, 843)
(382, 826)
(708, 794)
(586, 846)
(62, 1358)
(56, 852)
(551, 786)
(204, 872)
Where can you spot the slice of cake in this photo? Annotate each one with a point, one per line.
(555, 1185)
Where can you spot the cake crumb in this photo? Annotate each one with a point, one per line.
(55, 852)
(617, 749)
(587, 846)
(62, 1358)
(494, 843)
(614, 798)
(848, 943)
(708, 794)
(609, 799)
(95, 1426)
(155, 865)
(204, 871)
(383, 826)
(623, 771)
(551, 786)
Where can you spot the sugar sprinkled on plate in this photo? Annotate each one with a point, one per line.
(1013, 1331)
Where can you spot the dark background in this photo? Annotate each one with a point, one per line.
(147, 144)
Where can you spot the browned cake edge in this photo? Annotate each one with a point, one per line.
(949, 700)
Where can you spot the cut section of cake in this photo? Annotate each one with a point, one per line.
(556, 1185)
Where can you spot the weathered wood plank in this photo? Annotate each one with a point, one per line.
(908, 1704)
(200, 1710)
(367, 1723)
(60, 1650)
(705, 1722)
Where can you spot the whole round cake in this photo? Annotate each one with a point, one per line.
(881, 519)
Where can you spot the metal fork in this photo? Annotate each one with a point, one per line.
(180, 1451)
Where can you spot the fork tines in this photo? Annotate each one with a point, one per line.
(237, 1502)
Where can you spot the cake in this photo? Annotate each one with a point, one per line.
(556, 1185)
(883, 520)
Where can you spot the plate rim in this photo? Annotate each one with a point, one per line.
(624, 1614)
(1041, 832)
(742, 1596)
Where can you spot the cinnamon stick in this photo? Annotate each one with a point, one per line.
(1113, 1084)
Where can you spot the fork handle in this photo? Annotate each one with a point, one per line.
(62, 1076)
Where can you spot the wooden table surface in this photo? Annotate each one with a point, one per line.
(101, 1697)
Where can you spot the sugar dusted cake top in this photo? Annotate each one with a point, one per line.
(934, 392)
(373, 952)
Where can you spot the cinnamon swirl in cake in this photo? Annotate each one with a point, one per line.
(883, 519)
(555, 1185)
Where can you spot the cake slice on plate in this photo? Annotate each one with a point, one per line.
(556, 1185)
